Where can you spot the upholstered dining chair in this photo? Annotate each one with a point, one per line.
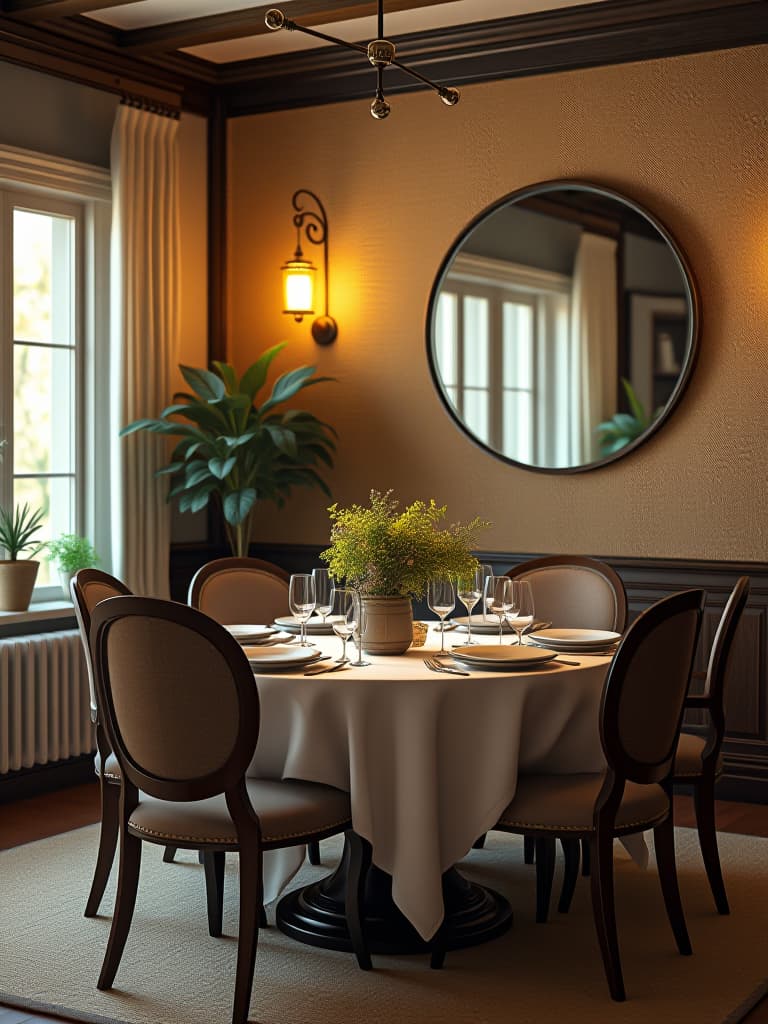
(640, 717)
(240, 590)
(243, 590)
(574, 591)
(698, 762)
(181, 712)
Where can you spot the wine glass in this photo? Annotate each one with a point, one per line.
(345, 606)
(301, 601)
(521, 614)
(486, 571)
(324, 588)
(469, 590)
(498, 599)
(441, 598)
(359, 630)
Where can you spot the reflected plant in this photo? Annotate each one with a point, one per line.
(624, 427)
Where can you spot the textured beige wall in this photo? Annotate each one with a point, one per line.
(687, 137)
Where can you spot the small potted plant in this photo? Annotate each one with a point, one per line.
(389, 556)
(70, 552)
(18, 529)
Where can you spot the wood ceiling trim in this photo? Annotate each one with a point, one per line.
(37, 10)
(250, 22)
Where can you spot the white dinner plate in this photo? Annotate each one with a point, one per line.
(245, 633)
(502, 657)
(280, 655)
(601, 650)
(576, 639)
(279, 636)
(480, 625)
(314, 625)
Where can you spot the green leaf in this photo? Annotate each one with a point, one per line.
(196, 476)
(227, 374)
(205, 384)
(291, 383)
(253, 379)
(221, 468)
(238, 504)
(284, 440)
(238, 442)
(634, 402)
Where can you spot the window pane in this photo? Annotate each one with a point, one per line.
(476, 413)
(518, 345)
(446, 337)
(57, 499)
(43, 409)
(476, 341)
(42, 278)
(518, 436)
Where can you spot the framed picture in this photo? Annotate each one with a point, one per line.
(657, 335)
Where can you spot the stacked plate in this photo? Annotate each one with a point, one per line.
(481, 625)
(248, 634)
(314, 626)
(501, 657)
(577, 641)
(277, 657)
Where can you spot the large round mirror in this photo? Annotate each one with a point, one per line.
(562, 327)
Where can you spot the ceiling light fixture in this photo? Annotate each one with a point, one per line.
(380, 52)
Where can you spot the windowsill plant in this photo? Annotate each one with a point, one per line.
(18, 529)
(69, 553)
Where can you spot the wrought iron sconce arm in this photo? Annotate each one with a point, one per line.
(314, 224)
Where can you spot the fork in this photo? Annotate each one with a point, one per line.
(435, 666)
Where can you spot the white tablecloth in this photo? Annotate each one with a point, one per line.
(430, 760)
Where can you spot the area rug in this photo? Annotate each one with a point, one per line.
(173, 972)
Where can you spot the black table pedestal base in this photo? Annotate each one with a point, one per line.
(315, 914)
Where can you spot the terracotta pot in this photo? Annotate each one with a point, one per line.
(387, 625)
(17, 581)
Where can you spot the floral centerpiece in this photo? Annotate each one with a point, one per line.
(388, 553)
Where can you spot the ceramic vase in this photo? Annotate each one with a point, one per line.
(387, 625)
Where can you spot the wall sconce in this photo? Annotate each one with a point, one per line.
(299, 274)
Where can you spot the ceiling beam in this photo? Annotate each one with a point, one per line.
(39, 10)
(250, 22)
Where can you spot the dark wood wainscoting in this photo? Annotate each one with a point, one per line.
(646, 581)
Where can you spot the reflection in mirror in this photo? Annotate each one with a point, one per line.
(561, 327)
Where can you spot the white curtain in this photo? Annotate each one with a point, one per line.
(593, 343)
(144, 339)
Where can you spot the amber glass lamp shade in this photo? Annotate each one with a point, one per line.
(298, 288)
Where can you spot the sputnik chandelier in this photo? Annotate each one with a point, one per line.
(380, 52)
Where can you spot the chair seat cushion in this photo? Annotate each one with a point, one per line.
(288, 811)
(688, 757)
(111, 768)
(565, 803)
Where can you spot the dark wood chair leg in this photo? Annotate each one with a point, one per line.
(545, 870)
(313, 852)
(125, 901)
(360, 855)
(168, 854)
(704, 804)
(604, 912)
(213, 865)
(110, 827)
(664, 844)
(251, 899)
(479, 843)
(529, 847)
(586, 858)
(571, 849)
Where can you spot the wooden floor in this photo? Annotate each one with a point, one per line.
(28, 820)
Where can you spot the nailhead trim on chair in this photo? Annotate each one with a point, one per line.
(572, 828)
(229, 839)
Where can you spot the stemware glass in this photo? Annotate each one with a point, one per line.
(345, 606)
(324, 587)
(301, 601)
(520, 615)
(441, 599)
(359, 630)
(498, 599)
(469, 590)
(486, 571)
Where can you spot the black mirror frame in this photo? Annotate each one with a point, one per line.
(692, 296)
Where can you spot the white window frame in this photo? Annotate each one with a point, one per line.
(56, 185)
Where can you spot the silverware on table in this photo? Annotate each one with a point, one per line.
(312, 671)
(435, 666)
(566, 661)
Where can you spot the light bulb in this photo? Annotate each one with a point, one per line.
(380, 108)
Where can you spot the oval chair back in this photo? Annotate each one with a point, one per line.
(88, 587)
(240, 590)
(575, 592)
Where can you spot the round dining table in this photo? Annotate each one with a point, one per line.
(429, 760)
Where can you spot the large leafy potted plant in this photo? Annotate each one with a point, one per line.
(390, 555)
(624, 427)
(237, 451)
(18, 529)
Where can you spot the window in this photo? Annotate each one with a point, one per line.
(53, 253)
(501, 335)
